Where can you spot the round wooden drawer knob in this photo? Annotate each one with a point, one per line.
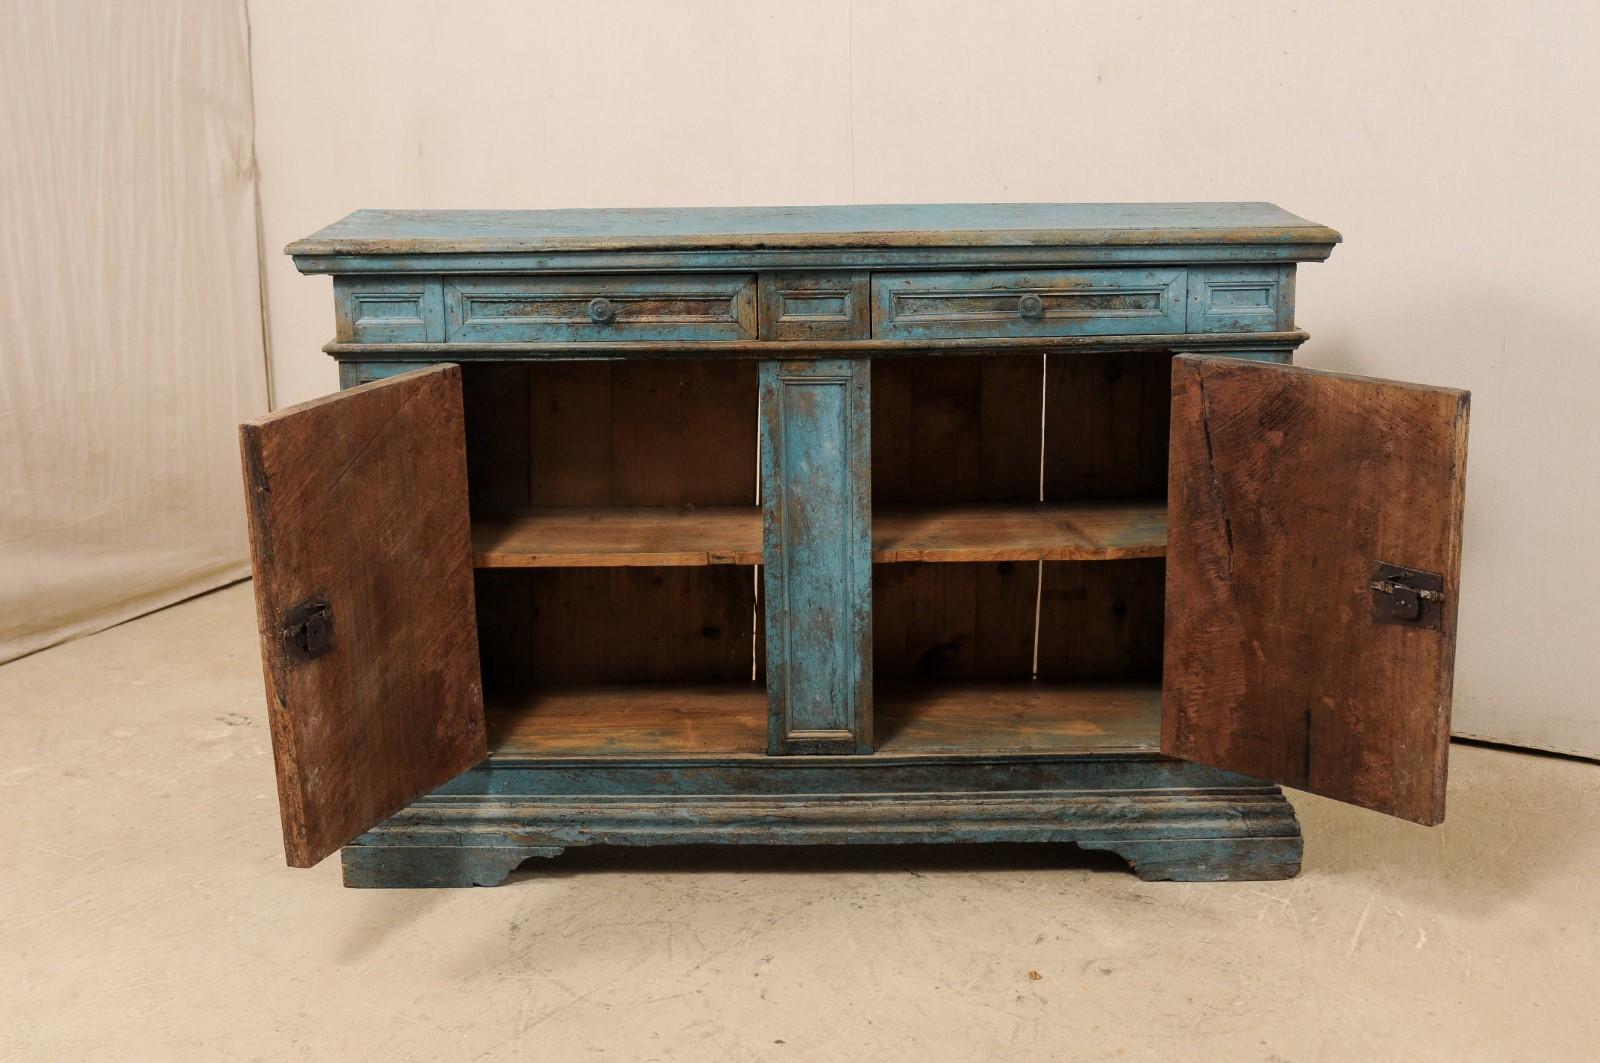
(602, 311)
(1030, 306)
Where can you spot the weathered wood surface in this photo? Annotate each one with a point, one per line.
(575, 536)
(1091, 531)
(1017, 717)
(360, 500)
(1105, 425)
(953, 621)
(580, 536)
(1101, 620)
(1077, 302)
(639, 625)
(1287, 486)
(1169, 819)
(363, 362)
(391, 232)
(951, 430)
(652, 720)
(817, 512)
(639, 720)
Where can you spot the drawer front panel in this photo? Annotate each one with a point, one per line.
(388, 309)
(1241, 298)
(708, 306)
(1006, 303)
(815, 306)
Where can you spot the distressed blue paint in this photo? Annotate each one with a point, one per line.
(1082, 302)
(1170, 820)
(698, 307)
(388, 309)
(1240, 298)
(405, 283)
(817, 509)
(354, 374)
(835, 226)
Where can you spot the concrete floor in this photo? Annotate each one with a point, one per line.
(146, 914)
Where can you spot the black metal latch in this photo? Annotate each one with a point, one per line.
(1403, 595)
(308, 630)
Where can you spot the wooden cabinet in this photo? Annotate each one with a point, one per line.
(845, 525)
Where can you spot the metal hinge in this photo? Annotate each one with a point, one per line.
(308, 630)
(1406, 596)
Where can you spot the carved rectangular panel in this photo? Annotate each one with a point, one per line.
(389, 309)
(1241, 298)
(492, 309)
(1004, 303)
(816, 306)
(817, 510)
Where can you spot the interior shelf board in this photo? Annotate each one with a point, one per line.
(646, 719)
(722, 719)
(1070, 531)
(1017, 716)
(583, 536)
(588, 537)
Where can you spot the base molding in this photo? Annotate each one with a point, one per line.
(1225, 833)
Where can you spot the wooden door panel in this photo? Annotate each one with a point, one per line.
(360, 542)
(1287, 488)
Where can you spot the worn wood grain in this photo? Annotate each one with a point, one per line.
(1101, 619)
(956, 429)
(953, 621)
(360, 500)
(1017, 716)
(1286, 486)
(1088, 531)
(1105, 425)
(721, 719)
(637, 720)
(817, 527)
(390, 232)
(640, 625)
(579, 536)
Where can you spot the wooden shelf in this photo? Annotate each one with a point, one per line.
(1076, 531)
(1017, 716)
(912, 719)
(644, 720)
(586, 537)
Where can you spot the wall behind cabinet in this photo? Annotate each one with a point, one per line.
(1447, 139)
(130, 311)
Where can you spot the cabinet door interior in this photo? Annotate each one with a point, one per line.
(362, 556)
(1314, 547)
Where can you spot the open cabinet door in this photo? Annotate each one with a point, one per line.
(360, 539)
(1314, 546)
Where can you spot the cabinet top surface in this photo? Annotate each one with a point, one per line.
(903, 225)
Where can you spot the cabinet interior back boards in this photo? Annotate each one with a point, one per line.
(868, 524)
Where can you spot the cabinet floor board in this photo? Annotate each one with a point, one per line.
(912, 719)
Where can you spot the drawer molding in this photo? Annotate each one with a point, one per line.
(816, 306)
(1015, 303)
(1241, 298)
(691, 307)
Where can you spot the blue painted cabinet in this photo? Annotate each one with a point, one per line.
(851, 524)
(817, 506)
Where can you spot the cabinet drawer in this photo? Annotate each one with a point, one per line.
(711, 306)
(1005, 303)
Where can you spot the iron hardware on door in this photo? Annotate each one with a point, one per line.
(308, 630)
(1403, 595)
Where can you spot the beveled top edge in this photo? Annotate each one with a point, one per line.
(857, 226)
